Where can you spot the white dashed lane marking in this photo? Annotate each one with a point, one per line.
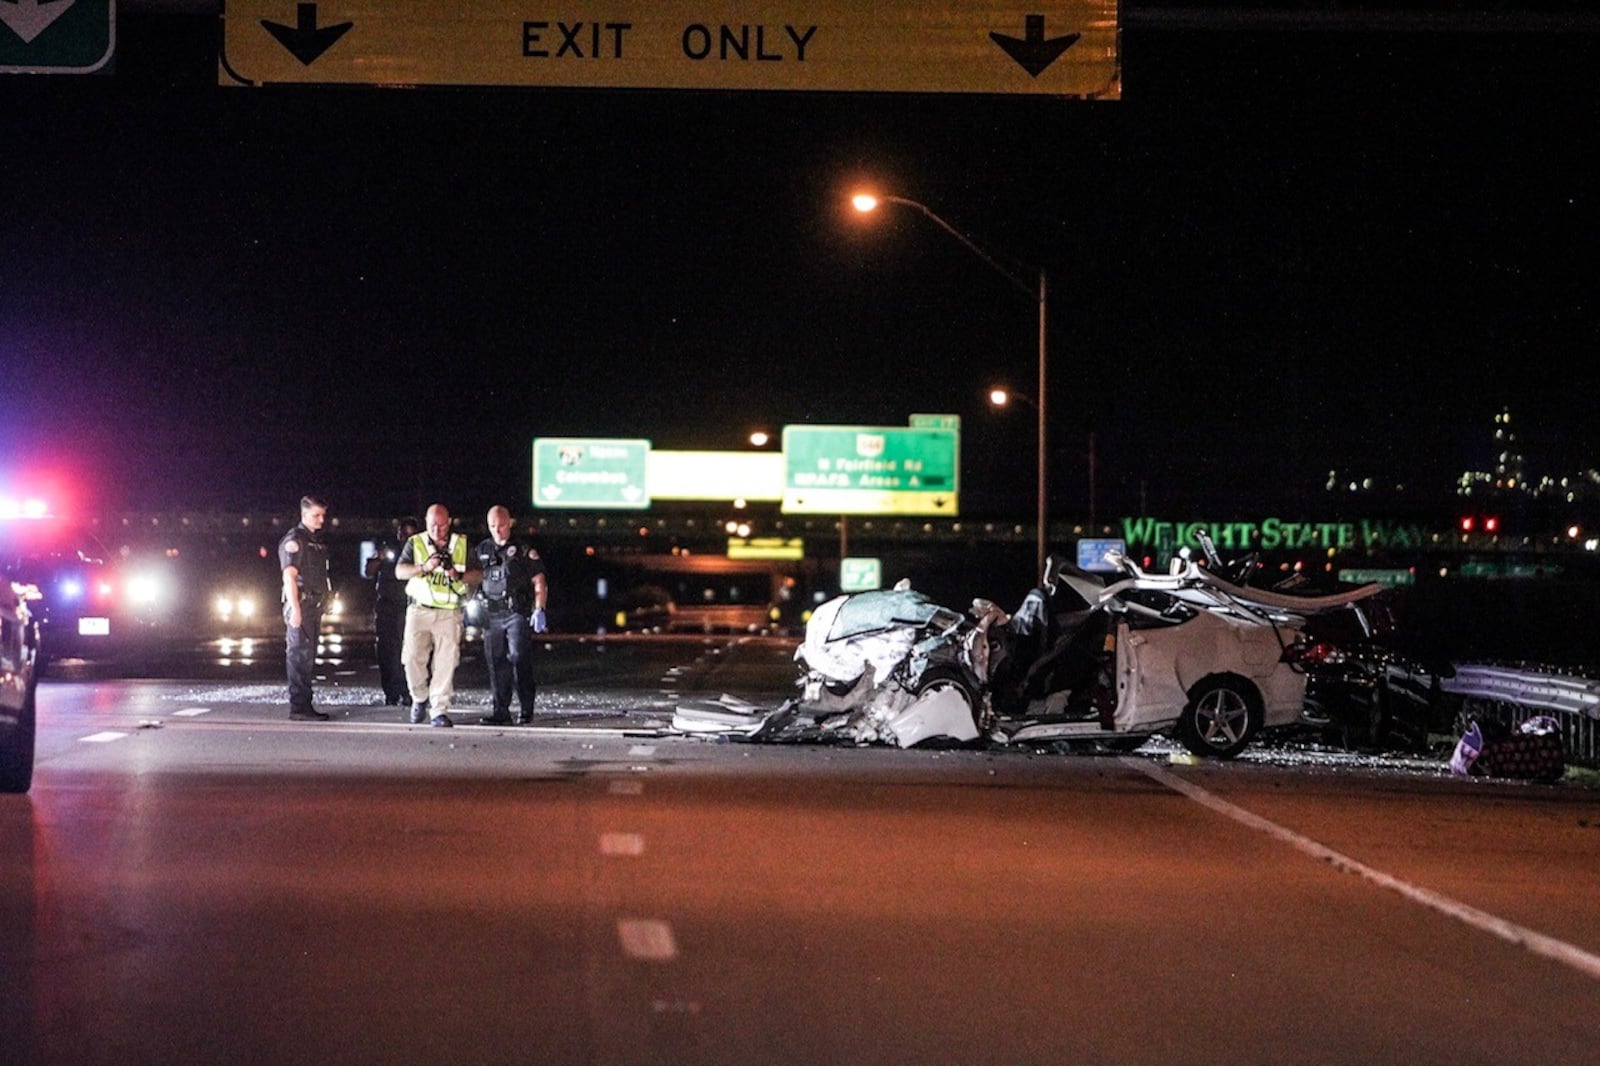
(1536, 942)
(624, 844)
(647, 939)
(641, 751)
(626, 787)
(103, 738)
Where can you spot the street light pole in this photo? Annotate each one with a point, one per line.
(864, 203)
(1042, 518)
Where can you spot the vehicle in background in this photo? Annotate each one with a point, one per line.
(19, 661)
(1365, 689)
(79, 603)
(240, 609)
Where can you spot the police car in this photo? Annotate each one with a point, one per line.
(19, 649)
(71, 593)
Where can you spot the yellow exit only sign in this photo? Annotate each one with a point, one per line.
(1054, 48)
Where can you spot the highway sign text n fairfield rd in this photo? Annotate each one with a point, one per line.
(870, 470)
(56, 36)
(1050, 47)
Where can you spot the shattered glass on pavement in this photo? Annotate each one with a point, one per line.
(577, 701)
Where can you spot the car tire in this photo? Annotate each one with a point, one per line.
(934, 680)
(1220, 718)
(16, 754)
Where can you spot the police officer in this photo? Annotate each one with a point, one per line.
(389, 613)
(435, 569)
(513, 592)
(304, 561)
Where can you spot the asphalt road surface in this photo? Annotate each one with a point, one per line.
(194, 878)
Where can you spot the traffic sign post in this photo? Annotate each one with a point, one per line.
(56, 36)
(1060, 48)
(590, 473)
(870, 470)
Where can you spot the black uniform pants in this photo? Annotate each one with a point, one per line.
(389, 628)
(302, 653)
(508, 646)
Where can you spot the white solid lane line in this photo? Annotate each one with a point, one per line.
(647, 939)
(621, 844)
(1536, 942)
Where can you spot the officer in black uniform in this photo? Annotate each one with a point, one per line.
(513, 591)
(389, 613)
(304, 561)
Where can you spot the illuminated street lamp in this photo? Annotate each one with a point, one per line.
(866, 203)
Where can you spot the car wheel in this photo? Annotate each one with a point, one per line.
(1220, 718)
(937, 680)
(16, 753)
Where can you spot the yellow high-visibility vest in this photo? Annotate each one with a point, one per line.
(438, 589)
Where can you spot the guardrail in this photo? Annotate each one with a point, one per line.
(1514, 694)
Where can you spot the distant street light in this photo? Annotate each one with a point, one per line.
(759, 439)
(867, 203)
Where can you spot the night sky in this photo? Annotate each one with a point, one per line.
(1281, 252)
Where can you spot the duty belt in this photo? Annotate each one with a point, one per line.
(505, 604)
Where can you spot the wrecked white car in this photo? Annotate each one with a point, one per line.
(1186, 653)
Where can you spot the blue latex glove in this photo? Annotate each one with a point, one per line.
(538, 620)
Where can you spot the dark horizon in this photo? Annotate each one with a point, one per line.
(1278, 255)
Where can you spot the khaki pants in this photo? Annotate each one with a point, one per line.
(432, 635)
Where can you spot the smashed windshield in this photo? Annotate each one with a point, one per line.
(870, 612)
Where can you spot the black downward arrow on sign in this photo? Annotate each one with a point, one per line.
(304, 40)
(1032, 51)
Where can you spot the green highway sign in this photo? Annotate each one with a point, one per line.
(1061, 48)
(56, 36)
(870, 470)
(1386, 577)
(590, 473)
(860, 574)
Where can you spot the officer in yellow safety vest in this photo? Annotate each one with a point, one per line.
(434, 567)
